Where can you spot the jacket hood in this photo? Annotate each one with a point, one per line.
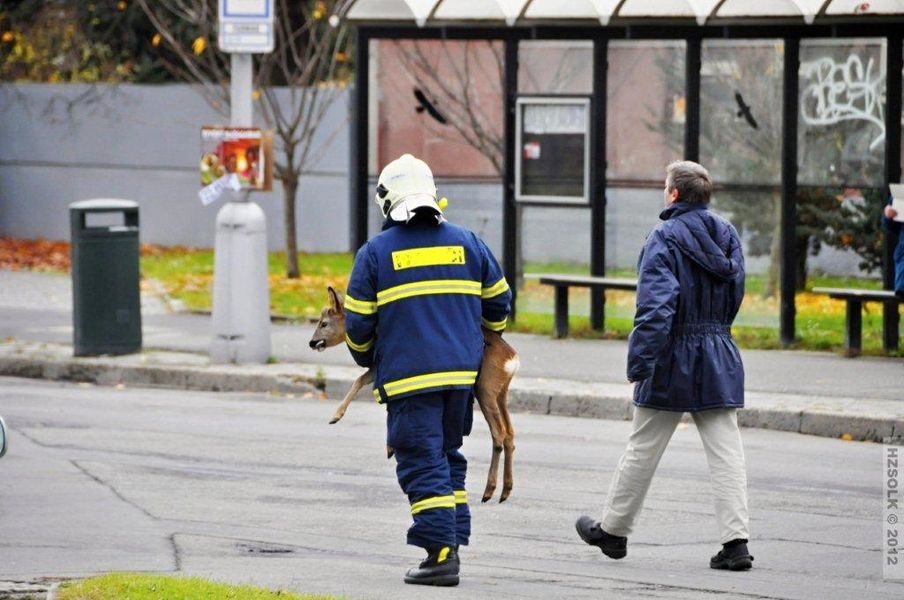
(704, 238)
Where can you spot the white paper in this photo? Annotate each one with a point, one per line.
(211, 193)
(897, 202)
(898, 205)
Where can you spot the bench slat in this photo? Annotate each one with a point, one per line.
(612, 283)
(562, 282)
(859, 294)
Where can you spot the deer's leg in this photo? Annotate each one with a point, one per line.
(508, 443)
(486, 394)
(361, 381)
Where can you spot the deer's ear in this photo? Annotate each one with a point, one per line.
(336, 300)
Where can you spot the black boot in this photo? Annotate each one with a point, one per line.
(439, 568)
(733, 556)
(613, 546)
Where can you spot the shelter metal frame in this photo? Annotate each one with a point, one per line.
(888, 27)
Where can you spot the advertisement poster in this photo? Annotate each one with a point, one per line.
(245, 152)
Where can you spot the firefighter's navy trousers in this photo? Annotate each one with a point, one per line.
(426, 432)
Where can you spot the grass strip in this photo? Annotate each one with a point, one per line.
(134, 586)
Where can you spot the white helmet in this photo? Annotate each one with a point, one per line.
(404, 185)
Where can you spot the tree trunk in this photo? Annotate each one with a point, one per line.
(290, 188)
(770, 290)
(802, 252)
(801, 246)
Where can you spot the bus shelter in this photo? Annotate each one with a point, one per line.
(815, 85)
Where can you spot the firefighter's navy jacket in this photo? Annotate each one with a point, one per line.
(434, 285)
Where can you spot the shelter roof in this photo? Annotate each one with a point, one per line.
(514, 13)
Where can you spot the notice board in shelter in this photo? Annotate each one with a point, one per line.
(553, 150)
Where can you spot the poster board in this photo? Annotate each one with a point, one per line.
(246, 152)
(552, 163)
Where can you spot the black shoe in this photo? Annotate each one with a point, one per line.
(733, 557)
(439, 568)
(3, 443)
(613, 546)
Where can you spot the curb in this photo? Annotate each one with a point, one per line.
(846, 418)
(36, 589)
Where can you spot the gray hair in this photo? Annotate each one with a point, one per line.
(692, 181)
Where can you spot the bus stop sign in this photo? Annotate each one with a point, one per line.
(246, 26)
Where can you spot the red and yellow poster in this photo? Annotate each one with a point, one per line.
(246, 152)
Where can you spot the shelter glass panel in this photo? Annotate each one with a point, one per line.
(741, 111)
(553, 238)
(645, 115)
(740, 145)
(555, 67)
(842, 112)
(441, 100)
(841, 179)
(645, 119)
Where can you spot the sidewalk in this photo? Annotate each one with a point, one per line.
(813, 393)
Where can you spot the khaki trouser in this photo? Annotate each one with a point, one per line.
(724, 452)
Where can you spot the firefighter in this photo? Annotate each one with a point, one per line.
(418, 295)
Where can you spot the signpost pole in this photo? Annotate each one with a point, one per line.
(241, 292)
(240, 89)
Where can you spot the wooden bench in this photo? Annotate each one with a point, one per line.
(561, 283)
(854, 315)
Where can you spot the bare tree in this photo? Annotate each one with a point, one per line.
(447, 74)
(465, 79)
(310, 59)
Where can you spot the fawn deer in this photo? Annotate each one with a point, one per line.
(500, 363)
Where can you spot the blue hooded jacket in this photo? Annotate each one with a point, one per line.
(691, 284)
(898, 253)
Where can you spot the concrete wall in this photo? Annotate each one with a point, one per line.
(143, 143)
(62, 143)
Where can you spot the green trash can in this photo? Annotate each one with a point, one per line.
(106, 300)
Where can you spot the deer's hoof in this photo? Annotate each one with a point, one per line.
(334, 420)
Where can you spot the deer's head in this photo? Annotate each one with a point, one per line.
(330, 330)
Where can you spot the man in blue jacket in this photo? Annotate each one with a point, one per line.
(418, 295)
(891, 224)
(682, 358)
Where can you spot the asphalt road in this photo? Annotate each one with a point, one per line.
(260, 489)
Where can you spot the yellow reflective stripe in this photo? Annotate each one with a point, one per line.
(377, 397)
(431, 503)
(493, 325)
(362, 307)
(428, 257)
(419, 382)
(494, 290)
(359, 347)
(443, 554)
(421, 288)
(461, 496)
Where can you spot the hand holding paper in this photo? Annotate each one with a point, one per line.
(897, 201)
